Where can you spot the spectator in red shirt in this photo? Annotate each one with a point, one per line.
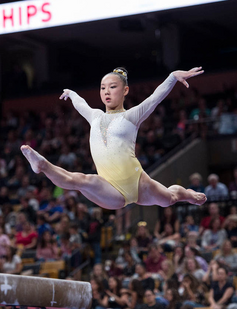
(27, 238)
(154, 259)
(213, 213)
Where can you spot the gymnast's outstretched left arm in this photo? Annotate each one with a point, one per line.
(139, 113)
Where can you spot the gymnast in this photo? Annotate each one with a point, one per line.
(121, 179)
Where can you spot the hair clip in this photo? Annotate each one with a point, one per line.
(142, 223)
(119, 71)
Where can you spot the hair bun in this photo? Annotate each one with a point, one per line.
(121, 71)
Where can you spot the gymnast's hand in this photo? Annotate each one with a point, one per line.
(65, 94)
(181, 76)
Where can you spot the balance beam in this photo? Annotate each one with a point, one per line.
(44, 292)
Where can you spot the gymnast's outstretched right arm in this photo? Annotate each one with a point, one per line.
(79, 104)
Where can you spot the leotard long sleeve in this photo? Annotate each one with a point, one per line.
(113, 138)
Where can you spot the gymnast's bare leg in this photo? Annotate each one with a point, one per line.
(99, 191)
(93, 187)
(152, 192)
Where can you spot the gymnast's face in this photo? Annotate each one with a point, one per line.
(113, 92)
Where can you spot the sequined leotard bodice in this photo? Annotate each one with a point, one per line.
(113, 138)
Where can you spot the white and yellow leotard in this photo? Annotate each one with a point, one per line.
(113, 138)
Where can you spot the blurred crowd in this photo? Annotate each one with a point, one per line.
(185, 261)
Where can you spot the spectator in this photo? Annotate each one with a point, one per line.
(21, 219)
(47, 250)
(166, 272)
(4, 243)
(99, 297)
(75, 238)
(168, 216)
(213, 209)
(230, 226)
(82, 217)
(67, 158)
(221, 290)
(178, 260)
(150, 301)
(233, 185)
(216, 190)
(201, 111)
(25, 187)
(153, 147)
(188, 226)
(145, 278)
(191, 252)
(227, 256)
(192, 239)
(191, 266)
(42, 226)
(11, 263)
(113, 269)
(27, 238)
(10, 218)
(4, 196)
(211, 274)
(169, 239)
(154, 259)
(14, 182)
(196, 183)
(173, 298)
(191, 291)
(99, 274)
(53, 211)
(135, 300)
(70, 207)
(134, 249)
(143, 238)
(214, 237)
(28, 210)
(129, 269)
(94, 234)
(115, 299)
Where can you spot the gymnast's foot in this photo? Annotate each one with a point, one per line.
(35, 159)
(197, 198)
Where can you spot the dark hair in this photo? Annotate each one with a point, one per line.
(212, 221)
(67, 203)
(99, 284)
(73, 225)
(41, 217)
(176, 298)
(194, 281)
(42, 242)
(172, 283)
(138, 288)
(149, 290)
(119, 285)
(225, 269)
(142, 264)
(122, 73)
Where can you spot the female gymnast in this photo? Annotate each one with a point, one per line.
(121, 179)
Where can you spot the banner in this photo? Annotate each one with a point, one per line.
(37, 14)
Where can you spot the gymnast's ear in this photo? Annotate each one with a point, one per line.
(126, 90)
